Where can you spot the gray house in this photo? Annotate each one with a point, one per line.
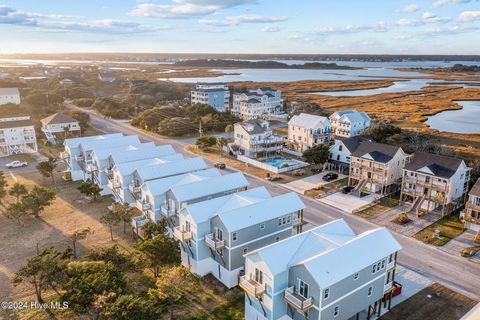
(215, 234)
(328, 272)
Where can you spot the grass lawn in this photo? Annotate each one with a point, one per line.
(70, 211)
(435, 302)
(449, 227)
(325, 189)
(383, 205)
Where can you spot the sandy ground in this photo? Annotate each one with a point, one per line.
(304, 184)
(347, 202)
(69, 212)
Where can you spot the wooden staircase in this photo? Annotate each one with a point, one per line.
(359, 187)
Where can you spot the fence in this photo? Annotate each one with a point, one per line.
(266, 166)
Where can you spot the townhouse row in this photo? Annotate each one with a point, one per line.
(240, 235)
(426, 182)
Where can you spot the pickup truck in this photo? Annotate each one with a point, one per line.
(17, 164)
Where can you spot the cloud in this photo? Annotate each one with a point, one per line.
(236, 20)
(467, 16)
(185, 9)
(428, 15)
(412, 7)
(441, 3)
(11, 16)
(271, 29)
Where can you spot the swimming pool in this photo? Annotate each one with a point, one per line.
(279, 162)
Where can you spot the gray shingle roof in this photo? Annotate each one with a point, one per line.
(378, 151)
(16, 123)
(475, 191)
(441, 166)
(58, 118)
(257, 126)
(9, 91)
(352, 143)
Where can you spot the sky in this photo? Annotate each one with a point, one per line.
(241, 26)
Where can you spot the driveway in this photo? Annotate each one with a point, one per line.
(465, 240)
(346, 202)
(302, 185)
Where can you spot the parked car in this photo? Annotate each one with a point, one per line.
(17, 164)
(330, 176)
(347, 189)
(316, 170)
(220, 165)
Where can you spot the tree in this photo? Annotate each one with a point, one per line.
(43, 271)
(158, 252)
(229, 129)
(90, 189)
(317, 154)
(77, 235)
(18, 190)
(88, 279)
(126, 213)
(174, 284)
(134, 307)
(122, 260)
(17, 210)
(111, 219)
(3, 186)
(222, 142)
(82, 117)
(206, 142)
(38, 199)
(152, 229)
(47, 167)
(383, 132)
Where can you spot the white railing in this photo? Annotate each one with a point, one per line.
(390, 265)
(214, 243)
(139, 221)
(133, 189)
(181, 234)
(300, 303)
(296, 221)
(253, 287)
(168, 212)
(388, 286)
(109, 173)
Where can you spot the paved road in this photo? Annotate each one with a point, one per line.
(452, 271)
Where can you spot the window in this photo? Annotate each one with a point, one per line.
(355, 277)
(245, 250)
(370, 290)
(336, 311)
(288, 219)
(383, 264)
(280, 221)
(234, 236)
(340, 148)
(374, 268)
(326, 293)
(303, 288)
(262, 226)
(277, 239)
(378, 266)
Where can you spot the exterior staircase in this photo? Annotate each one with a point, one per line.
(416, 204)
(359, 187)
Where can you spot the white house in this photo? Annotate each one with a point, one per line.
(120, 175)
(349, 123)
(9, 95)
(215, 234)
(216, 95)
(341, 150)
(306, 130)
(255, 139)
(17, 135)
(435, 183)
(325, 273)
(102, 159)
(77, 153)
(59, 125)
(257, 103)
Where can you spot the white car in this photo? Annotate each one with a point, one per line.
(17, 164)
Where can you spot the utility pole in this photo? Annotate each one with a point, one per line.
(200, 131)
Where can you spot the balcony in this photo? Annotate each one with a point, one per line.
(471, 219)
(167, 212)
(388, 287)
(80, 158)
(145, 206)
(139, 221)
(297, 301)
(252, 287)
(181, 234)
(91, 167)
(470, 205)
(435, 185)
(114, 184)
(214, 243)
(298, 221)
(134, 190)
(109, 173)
(390, 265)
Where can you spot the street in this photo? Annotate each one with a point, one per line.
(452, 271)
